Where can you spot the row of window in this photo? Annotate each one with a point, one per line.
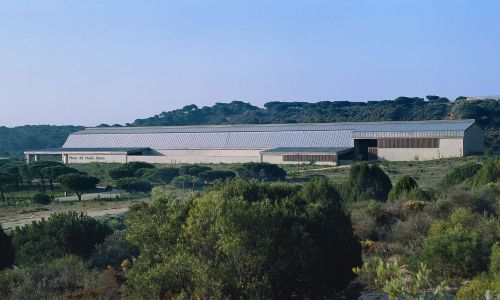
(310, 158)
(408, 143)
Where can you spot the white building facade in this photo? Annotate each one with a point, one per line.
(275, 143)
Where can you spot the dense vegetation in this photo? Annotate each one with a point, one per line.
(240, 236)
(486, 111)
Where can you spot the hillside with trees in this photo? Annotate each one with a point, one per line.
(13, 141)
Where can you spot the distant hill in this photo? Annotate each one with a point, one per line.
(13, 141)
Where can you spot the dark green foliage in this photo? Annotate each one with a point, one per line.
(6, 250)
(121, 172)
(193, 170)
(113, 251)
(52, 172)
(287, 242)
(187, 182)
(31, 137)
(489, 172)
(403, 188)
(366, 182)
(42, 198)
(461, 174)
(460, 247)
(5, 180)
(136, 165)
(61, 234)
(261, 171)
(77, 183)
(213, 175)
(134, 185)
(163, 175)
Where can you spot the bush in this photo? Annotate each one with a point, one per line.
(460, 247)
(133, 185)
(113, 251)
(163, 175)
(6, 250)
(121, 172)
(261, 171)
(461, 174)
(61, 234)
(366, 182)
(213, 175)
(193, 170)
(479, 287)
(403, 188)
(218, 245)
(186, 182)
(50, 280)
(136, 165)
(42, 198)
(489, 172)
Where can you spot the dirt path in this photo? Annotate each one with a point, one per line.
(323, 169)
(10, 222)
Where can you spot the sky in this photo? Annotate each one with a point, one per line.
(89, 62)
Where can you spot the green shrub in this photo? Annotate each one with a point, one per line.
(294, 243)
(133, 185)
(403, 188)
(42, 198)
(261, 171)
(193, 170)
(61, 234)
(479, 287)
(186, 182)
(136, 165)
(366, 182)
(489, 172)
(213, 175)
(495, 259)
(121, 172)
(6, 250)
(163, 175)
(113, 251)
(461, 174)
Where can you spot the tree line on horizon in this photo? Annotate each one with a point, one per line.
(485, 111)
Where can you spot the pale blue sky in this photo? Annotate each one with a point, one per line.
(112, 61)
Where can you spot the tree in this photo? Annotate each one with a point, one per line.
(121, 172)
(193, 170)
(78, 183)
(213, 175)
(53, 172)
(6, 250)
(36, 168)
(366, 182)
(261, 171)
(41, 198)
(5, 180)
(403, 187)
(59, 235)
(134, 185)
(163, 175)
(243, 240)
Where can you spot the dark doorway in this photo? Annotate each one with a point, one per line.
(362, 147)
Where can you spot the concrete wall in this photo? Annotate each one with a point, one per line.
(192, 156)
(110, 158)
(473, 140)
(447, 148)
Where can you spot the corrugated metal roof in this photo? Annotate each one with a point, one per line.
(432, 125)
(214, 140)
(259, 136)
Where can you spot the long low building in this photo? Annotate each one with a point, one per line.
(324, 143)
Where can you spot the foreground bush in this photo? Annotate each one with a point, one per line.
(403, 188)
(61, 234)
(261, 171)
(133, 185)
(41, 198)
(289, 242)
(366, 182)
(6, 250)
(113, 251)
(461, 174)
(489, 172)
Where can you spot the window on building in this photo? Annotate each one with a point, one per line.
(408, 143)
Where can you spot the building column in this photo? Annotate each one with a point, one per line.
(36, 157)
